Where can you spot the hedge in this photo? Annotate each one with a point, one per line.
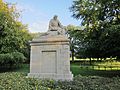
(10, 59)
(19, 81)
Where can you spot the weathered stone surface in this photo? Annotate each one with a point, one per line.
(55, 25)
(50, 58)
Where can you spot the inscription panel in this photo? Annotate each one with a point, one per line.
(48, 62)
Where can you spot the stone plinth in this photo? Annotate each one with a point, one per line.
(50, 58)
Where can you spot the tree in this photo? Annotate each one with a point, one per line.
(14, 36)
(74, 34)
(70, 32)
(102, 20)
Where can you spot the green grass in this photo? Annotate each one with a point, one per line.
(106, 69)
(82, 70)
(89, 71)
(22, 68)
(112, 63)
(87, 59)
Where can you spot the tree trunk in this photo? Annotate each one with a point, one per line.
(90, 61)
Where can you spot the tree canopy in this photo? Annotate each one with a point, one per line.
(101, 19)
(14, 35)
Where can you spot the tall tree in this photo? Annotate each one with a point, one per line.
(13, 34)
(102, 21)
(74, 34)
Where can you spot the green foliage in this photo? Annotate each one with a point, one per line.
(14, 58)
(94, 11)
(101, 19)
(18, 81)
(5, 58)
(18, 57)
(14, 36)
(73, 32)
(111, 44)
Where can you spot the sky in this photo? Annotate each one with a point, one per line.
(37, 13)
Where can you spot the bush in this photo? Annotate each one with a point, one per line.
(10, 59)
(18, 57)
(18, 81)
(5, 58)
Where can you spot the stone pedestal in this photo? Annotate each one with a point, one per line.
(50, 58)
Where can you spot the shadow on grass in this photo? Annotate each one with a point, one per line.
(91, 72)
(22, 68)
(76, 70)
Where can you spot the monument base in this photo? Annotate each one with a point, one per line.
(50, 58)
(68, 77)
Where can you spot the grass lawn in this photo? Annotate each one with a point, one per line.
(88, 71)
(82, 70)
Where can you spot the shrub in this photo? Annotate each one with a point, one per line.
(5, 58)
(18, 81)
(18, 57)
(10, 59)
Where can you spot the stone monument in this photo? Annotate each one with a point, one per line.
(50, 54)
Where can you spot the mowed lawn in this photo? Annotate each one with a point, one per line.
(94, 71)
(104, 69)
